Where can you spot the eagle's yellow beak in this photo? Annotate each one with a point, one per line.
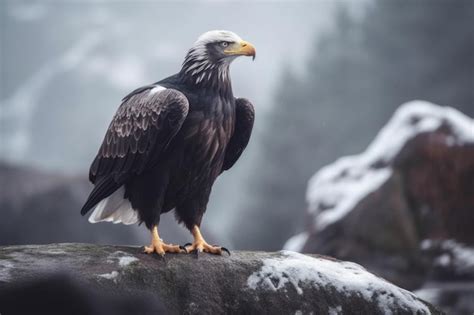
(242, 49)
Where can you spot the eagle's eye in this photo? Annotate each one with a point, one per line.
(224, 44)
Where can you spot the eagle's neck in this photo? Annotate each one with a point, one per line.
(205, 74)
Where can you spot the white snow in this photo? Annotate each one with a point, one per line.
(443, 260)
(296, 243)
(122, 258)
(110, 276)
(126, 260)
(337, 188)
(5, 269)
(426, 244)
(335, 310)
(457, 255)
(300, 271)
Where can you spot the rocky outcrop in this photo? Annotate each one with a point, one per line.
(243, 283)
(413, 185)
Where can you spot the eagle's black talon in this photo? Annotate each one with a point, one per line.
(225, 250)
(187, 244)
(183, 248)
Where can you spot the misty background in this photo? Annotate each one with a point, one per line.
(328, 75)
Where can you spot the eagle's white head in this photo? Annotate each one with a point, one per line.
(211, 55)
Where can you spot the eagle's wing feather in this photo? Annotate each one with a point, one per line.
(141, 129)
(244, 118)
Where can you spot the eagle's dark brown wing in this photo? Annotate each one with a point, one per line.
(244, 117)
(141, 129)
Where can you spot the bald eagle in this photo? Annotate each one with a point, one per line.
(169, 141)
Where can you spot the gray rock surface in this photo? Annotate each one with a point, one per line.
(245, 282)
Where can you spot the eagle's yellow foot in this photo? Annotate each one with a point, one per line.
(157, 245)
(199, 245)
(162, 248)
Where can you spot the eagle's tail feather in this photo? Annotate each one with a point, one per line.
(102, 189)
(115, 209)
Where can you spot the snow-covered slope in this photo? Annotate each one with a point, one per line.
(337, 188)
(302, 271)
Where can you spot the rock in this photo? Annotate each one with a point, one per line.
(244, 283)
(437, 170)
(61, 293)
(415, 182)
(450, 283)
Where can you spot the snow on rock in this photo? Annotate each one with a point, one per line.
(337, 188)
(304, 272)
(463, 256)
(453, 254)
(335, 310)
(127, 260)
(123, 259)
(5, 267)
(110, 276)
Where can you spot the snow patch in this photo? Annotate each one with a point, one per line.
(463, 256)
(127, 260)
(426, 244)
(5, 269)
(110, 276)
(123, 259)
(335, 310)
(337, 188)
(454, 254)
(443, 260)
(300, 271)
